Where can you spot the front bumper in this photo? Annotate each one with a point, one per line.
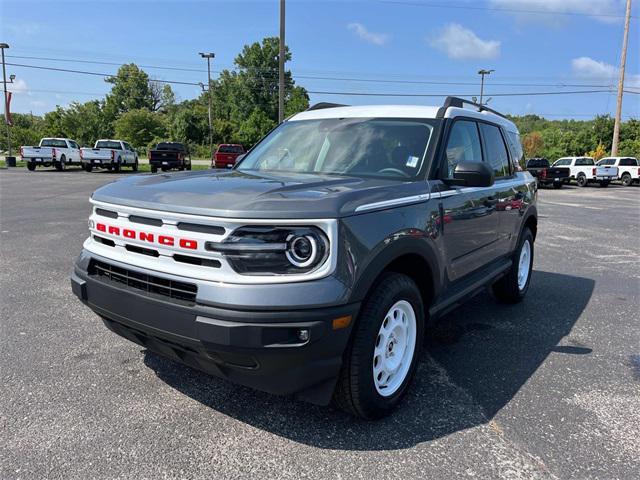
(261, 349)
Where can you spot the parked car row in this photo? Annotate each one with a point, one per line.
(116, 154)
(584, 170)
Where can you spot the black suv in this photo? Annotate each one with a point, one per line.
(316, 265)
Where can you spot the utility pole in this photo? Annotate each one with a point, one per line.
(281, 60)
(209, 56)
(482, 73)
(6, 100)
(623, 62)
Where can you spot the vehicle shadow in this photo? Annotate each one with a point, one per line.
(458, 385)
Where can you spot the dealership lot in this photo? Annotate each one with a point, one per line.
(549, 388)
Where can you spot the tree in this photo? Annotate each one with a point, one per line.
(130, 91)
(532, 144)
(139, 127)
(163, 98)
(598, 153)
(255, 127)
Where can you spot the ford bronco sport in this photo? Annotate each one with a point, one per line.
(316, 265)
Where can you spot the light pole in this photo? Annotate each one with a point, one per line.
(281, 60)
(209, 56)
(482, 73)
(6, 100)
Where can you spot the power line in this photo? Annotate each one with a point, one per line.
(501, 9)
(513, 94)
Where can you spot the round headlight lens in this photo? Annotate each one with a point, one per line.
(301, 250)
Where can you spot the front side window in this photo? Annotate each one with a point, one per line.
(607, 161)
(463, 145)
(563, 162)
(496, 151)
(368, 147)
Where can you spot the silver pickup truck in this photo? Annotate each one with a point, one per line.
(109, 154)
(58, 152)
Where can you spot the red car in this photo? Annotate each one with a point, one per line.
(226, 155)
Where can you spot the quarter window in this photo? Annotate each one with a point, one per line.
(628, 162)
(463, 145)
(496, 151)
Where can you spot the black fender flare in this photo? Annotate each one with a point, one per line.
(420, 246)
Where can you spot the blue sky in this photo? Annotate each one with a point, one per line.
(427, 42)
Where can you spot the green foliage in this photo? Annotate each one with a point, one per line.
(255, 127)
(131, 91)
(140, 126)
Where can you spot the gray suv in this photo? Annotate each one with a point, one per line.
(316, 265)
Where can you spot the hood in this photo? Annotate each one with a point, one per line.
(236, 194)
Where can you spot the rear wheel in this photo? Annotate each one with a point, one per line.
(582, 180)
(189, 167)
(117, 165)
(626, 179)
(382, 356)
(31, 166)
(62, 164)
(154, 169)
(514, 285)
(164, 169)
(88, 167)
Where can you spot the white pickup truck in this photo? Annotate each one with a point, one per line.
(584, 170)
(58, 152)
(628, 168)
(109, 154)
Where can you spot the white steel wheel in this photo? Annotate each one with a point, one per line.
(524, 265)
(394, 348)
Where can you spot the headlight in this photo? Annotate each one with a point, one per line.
(274, 250)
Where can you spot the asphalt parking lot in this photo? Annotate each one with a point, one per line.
(549, 388)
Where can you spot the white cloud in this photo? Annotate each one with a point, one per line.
(588, 68)
(461, 43)
(26, 29)
(18, 86)
(600, 9)
(370, 37)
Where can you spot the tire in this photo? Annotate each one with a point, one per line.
(604, 183)
(62, 164)
(557, 185)
(582, 180)
(154, 169)
(626, 180)
(164, 169)
(117, 166)
(31, 166)
(189, 167)
(135, 165)
(513, 287)
(363, 388)
(88, 167)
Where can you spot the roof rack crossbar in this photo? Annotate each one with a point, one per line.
(322, 105)
(460, 103)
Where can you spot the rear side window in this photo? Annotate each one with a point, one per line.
(515, 145)
(584, 162)
(463, 145)
(628, 162)
(496, 151)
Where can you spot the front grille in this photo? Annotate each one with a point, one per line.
(181, 291)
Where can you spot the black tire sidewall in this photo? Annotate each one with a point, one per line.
(626, 179)
(391, 289)
(581, 180)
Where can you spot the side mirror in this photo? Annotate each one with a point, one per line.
(471, 174)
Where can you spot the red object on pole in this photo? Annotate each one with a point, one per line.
(8, 109)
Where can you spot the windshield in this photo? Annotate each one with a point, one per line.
(52, 142)
(376, 147)
(108, 144)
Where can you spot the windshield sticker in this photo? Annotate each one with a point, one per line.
(412, 161)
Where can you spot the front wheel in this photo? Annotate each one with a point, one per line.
(135, 165)
(381, 359)
(514, 285)
(582, 180)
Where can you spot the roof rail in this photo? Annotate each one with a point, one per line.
(321, 105)
(460, 102)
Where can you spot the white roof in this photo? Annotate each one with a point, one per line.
(399, 111)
